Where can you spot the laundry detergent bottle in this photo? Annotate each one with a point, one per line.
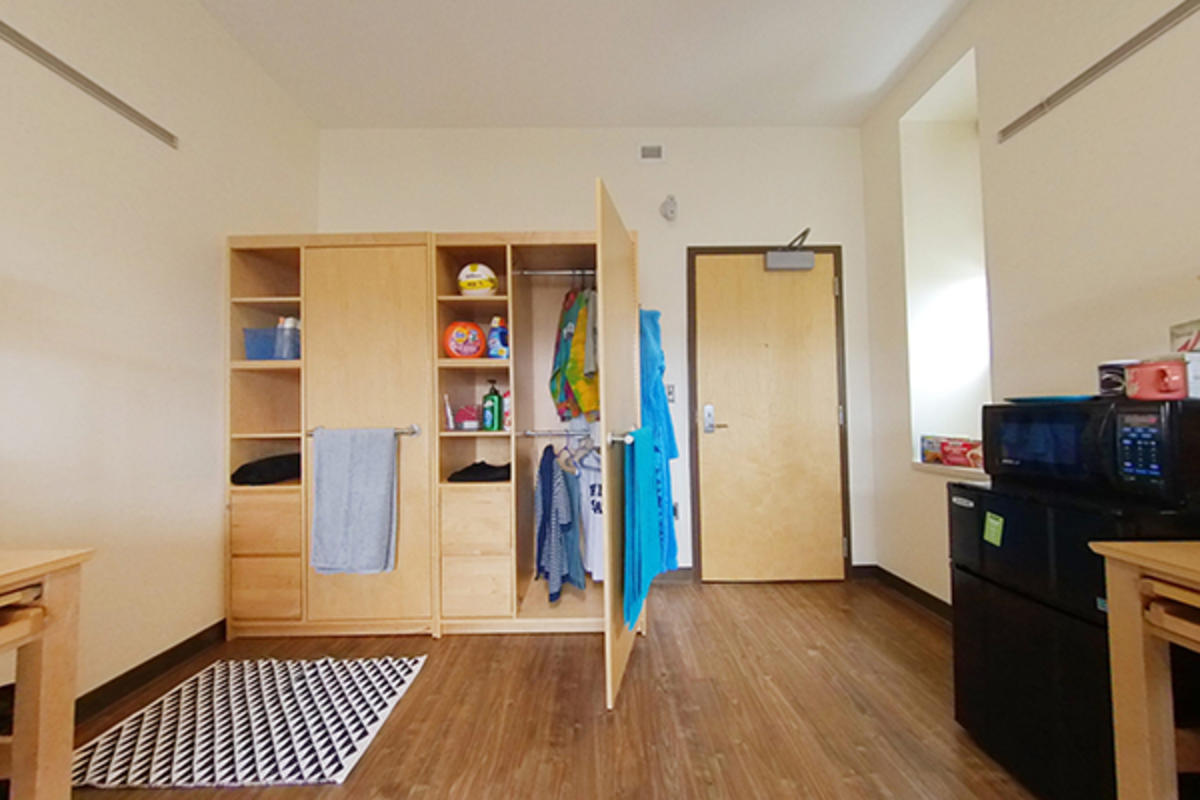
(493, 408)
(497, 338)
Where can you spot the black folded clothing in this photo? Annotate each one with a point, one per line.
(273, 469)
(482, 472)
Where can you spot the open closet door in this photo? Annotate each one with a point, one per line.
(620, 412)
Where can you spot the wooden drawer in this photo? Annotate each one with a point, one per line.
(477, 586)
(264, 588)
(476, 520)
(265, 523)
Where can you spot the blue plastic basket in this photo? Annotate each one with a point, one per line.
(271, 344)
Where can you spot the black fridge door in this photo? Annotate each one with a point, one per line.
(1014, 539)
(1031, 685)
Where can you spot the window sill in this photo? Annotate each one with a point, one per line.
(961, 473)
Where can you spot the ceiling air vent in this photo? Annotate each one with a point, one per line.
(652, 152)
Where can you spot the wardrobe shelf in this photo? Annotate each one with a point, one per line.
(287, 435)
(282, 305)
(474, 434)
(293, 486)
(473, 363)
(482, 300)
(574, 604)
(267, 365)
(475, 483)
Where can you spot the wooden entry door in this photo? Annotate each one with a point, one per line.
(620, 412)
(368, 354)
(769, 461)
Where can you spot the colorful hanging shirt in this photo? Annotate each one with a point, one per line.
(585, 387)
(560, 386)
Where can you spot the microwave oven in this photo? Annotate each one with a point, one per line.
(1148, 450)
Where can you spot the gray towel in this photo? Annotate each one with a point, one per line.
(354, 501)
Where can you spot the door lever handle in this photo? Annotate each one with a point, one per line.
(710, 419)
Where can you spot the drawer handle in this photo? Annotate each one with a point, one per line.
(21, 597)
(19, 625)
(1151, 588)
(1176, 618)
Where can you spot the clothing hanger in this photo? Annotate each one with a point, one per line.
(566, 460)
(590, 459)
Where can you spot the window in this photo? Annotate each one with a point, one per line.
(949, 344)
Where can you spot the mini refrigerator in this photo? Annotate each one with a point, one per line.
(1031, 672)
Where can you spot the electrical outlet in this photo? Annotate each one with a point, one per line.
(670, 393)
(675, 508)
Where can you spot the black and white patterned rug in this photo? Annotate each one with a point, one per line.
(251, 723)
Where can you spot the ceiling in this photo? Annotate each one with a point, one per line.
(503, 63)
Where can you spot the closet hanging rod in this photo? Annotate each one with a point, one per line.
(411, 430)
(538, 434)
(554, 272)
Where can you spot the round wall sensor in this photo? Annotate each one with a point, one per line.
(669, 208)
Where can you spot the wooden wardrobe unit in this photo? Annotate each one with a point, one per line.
(372, 310)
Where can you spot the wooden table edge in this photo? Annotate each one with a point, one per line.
(1133, 554)
(56, 561)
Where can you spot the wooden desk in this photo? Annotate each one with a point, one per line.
(42, 626)
(1153, 600)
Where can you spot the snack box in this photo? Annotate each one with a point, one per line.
(953, 451)
(1185, 336)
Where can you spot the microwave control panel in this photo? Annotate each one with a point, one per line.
(1140, 447)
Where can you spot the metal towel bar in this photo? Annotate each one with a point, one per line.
(411, 430)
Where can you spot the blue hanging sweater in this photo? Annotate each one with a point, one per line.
(556, 520)
(650, 545)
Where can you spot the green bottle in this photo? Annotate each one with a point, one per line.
(493, 408)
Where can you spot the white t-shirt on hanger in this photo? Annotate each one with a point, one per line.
(591, 498)
(590, 489)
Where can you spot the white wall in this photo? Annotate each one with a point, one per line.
(734, 186)
(1089, 218)
(945, 280)
(111, 302)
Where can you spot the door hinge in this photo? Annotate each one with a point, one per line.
(837, 286)
(841, 414)
(845, 548)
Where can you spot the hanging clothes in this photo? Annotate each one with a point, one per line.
(641, 523)
(585, 387)
(591, 366)
(656, 415)
(650, 544)
(556, 521)
(575, 389)
(591, 495)
(560, 387)
(590, 487)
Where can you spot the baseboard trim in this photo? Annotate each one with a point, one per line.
(681, 575)
(106, 694)
(901, 586)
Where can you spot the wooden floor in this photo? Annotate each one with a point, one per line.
(837, 690)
